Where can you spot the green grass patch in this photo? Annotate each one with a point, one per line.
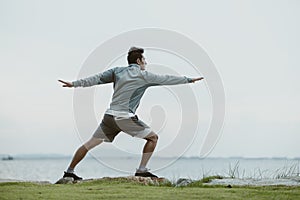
(122, 188)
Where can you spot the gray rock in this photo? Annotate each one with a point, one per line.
(295, 178)
(253, 182)
(66, 180)
(183, 182)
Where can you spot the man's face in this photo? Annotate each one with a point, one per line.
(142, 63)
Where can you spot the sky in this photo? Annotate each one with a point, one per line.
(254, 45)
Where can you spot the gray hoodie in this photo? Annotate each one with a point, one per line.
(130, 83)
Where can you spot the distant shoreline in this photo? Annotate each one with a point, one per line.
(58, 156)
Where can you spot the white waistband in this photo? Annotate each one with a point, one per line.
(119, 113)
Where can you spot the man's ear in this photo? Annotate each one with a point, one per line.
(138, 61)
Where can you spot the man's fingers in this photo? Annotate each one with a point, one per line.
(66, 84)
(198, 79)
(62, 81)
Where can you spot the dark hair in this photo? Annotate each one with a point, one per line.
(133, 54)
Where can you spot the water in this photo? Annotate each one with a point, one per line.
(51, 169)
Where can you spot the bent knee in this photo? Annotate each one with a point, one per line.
(152, 137)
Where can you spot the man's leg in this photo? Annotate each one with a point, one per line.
(80, 154)
(137, 128)
(81, 151)
(148, 150)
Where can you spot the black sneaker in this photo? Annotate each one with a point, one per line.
(145, 174)
(72, 175)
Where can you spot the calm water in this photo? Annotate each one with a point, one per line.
(52, 169)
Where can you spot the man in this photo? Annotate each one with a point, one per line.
(129, 84)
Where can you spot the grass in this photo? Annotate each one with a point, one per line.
(124, 189)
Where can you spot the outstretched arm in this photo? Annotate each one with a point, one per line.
(101, 78)
(156, 79)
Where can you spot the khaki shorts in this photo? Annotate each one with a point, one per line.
(111, 126)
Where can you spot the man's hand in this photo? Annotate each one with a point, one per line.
(197, 79)
(66, 84)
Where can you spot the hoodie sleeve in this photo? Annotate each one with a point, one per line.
(101, 78)
(155, 79)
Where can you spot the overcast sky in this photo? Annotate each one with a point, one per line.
(255, 46)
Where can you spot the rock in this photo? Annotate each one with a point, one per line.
(295, 178)
(138, 179)
(183, 182)
(142, 180)
(254, 182)
(66, 180)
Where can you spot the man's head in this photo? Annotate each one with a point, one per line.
(135, 56)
